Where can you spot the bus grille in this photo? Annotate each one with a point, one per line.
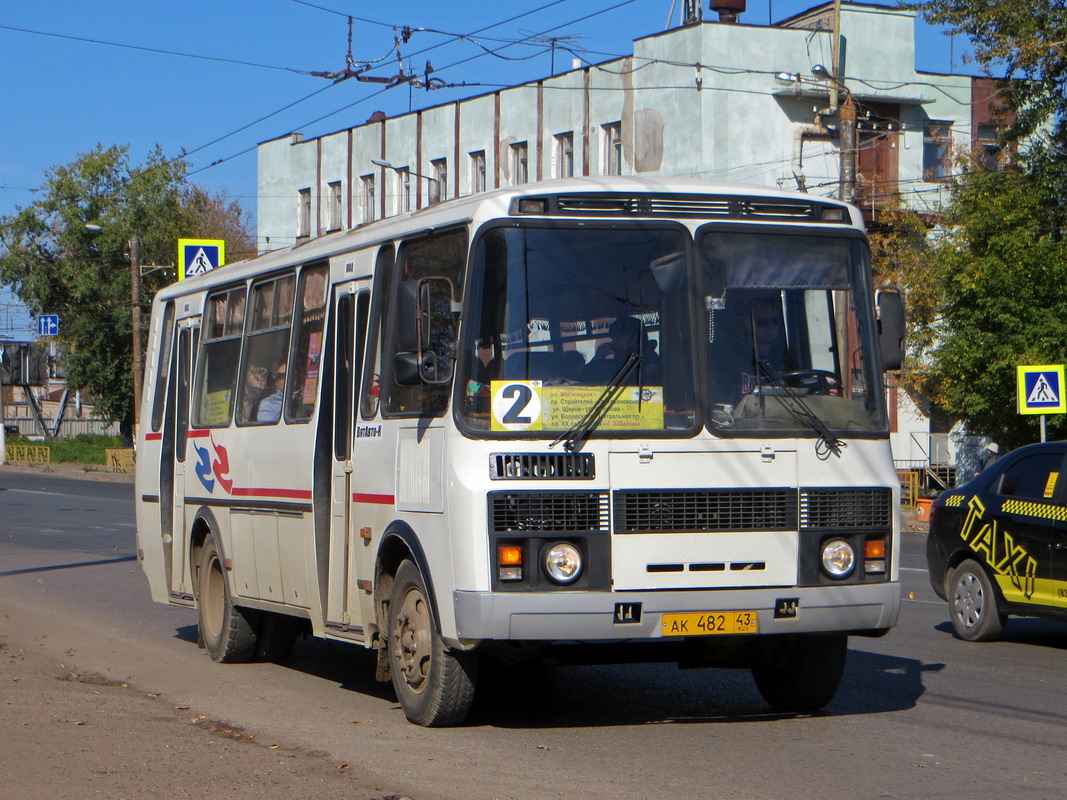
(708, 511)
(697, 511)
(548, 512)
(846, 508)
(542, 466)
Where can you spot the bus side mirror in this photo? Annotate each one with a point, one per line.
(412, 316)
(425, 332)
(890, 309)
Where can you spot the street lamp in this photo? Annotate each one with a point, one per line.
(846, 117)
(135, 321)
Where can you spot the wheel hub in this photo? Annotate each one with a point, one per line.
(411, 640)
(969, 601)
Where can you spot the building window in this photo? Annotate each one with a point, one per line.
(565, 155)
(439, 184)
(303, 213)
(987, 145)
(477, 171)
(366, 198)
(403, 182)
(333, 209)
(613, 148)
(937, 150)
(520, 163)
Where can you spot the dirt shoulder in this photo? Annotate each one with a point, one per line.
(88, 472)
(74, 735)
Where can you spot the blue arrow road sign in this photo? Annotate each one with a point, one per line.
(48, 324)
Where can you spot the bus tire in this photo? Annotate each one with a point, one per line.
(802, 672)
(435, 685)
(275, 636)
(973, 604)
(225, 629)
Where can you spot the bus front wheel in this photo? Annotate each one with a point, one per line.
(801, 672)
(435, 685)
(225, 629)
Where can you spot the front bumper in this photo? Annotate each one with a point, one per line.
(560, 616)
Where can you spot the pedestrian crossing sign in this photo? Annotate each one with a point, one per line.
(1040, 389)
(200, 256)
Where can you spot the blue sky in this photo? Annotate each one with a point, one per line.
(215, 78)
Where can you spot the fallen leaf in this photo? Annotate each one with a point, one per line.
(198, 718)
(543, 747)
(181, 708)
(340, 766)
(274, 747)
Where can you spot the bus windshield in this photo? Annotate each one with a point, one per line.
(788, 333)
(562, 315)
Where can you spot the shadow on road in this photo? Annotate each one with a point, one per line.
(54, 567)
(1024, 630)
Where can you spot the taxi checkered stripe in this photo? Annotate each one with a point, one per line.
(954, 501)
(1039, 510)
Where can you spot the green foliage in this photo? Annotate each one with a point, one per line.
(85, 448)
(1000, 273)
(58, 266)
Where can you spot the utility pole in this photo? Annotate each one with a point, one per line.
(135, 317)
(846, 115)
(3, 430)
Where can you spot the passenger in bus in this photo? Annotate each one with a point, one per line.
(270, 407)
(252, 394)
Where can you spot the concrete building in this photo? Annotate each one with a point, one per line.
(716, 99)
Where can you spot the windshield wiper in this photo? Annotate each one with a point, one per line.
(577, 434)
(800, 409)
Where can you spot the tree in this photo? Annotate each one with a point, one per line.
(55, 264)
(1025, 42)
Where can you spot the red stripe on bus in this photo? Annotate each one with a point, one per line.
(151, 437)
(203, 434)
(289, 494)
(377, 499)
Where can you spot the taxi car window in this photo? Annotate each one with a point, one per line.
(1033, 477)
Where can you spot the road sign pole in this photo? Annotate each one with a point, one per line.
(135, 320)
(1042, 427)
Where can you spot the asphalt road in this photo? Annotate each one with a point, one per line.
(920, 714)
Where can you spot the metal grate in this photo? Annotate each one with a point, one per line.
(846, 508)
(542, 466)
(685, 205)
(681, 511)
(548, 512)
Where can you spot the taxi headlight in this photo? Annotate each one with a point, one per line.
(563, 563)
(838, 558)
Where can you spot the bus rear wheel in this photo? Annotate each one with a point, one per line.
(225, 629)
(801, 672)
(435, 685)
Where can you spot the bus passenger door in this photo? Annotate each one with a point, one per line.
(180, 587)
(351, 320)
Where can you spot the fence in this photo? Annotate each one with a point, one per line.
(27, 454)
(119, 460)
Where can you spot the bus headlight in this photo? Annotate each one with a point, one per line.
(838, 558)
(563, 563)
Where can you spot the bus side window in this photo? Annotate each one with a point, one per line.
(376, 342)
(266, 351)
(216, 376)
(307, 363)
(441, 255)
(166, 339)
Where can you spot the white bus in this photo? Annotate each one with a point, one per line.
(584, 420)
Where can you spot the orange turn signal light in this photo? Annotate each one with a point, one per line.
(509, 555)
(874, 548)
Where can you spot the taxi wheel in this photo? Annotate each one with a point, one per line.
(973, 602)
(801, 672)
(435, 685)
